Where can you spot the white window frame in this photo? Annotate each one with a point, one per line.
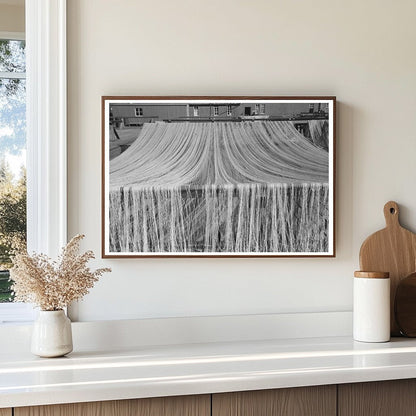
(196, 111)
(216, 110)
(46, 134)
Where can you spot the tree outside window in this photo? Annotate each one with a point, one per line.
(12, 156)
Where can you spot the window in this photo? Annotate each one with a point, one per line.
(256, 108)
(45, 134)
(12, 155)
(139, 111)
(196, 111)
(262, 108)
(216, 110)
(229, 110)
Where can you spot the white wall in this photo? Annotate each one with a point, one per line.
(361, 51)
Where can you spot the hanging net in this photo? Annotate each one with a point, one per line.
(253, 186)
(319, 133)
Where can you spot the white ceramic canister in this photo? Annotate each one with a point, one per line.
(52, 334)
(371, 322)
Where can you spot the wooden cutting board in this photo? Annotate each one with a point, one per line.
(393, 250)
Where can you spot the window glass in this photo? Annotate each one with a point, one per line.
(12, 56)
(139, 111)
(12, 156)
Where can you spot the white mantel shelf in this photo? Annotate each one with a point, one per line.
(151, 371)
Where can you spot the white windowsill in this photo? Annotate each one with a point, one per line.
(16, 313)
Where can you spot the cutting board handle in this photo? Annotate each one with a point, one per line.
(391, 214)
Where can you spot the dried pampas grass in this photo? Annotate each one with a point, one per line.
(53, 285)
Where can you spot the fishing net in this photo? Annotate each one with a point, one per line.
(219, 187)
(319, 133)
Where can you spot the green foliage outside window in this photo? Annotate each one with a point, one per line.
(12, 223)
(12, 155)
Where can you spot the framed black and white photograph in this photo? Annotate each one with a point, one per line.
(218, 176)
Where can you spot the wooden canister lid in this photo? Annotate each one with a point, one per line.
(372, 275)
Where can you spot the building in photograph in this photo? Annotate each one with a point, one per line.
(125, 115)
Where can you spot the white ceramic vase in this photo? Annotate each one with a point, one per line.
(52, 334)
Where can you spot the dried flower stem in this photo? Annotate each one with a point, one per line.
(53, 285)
